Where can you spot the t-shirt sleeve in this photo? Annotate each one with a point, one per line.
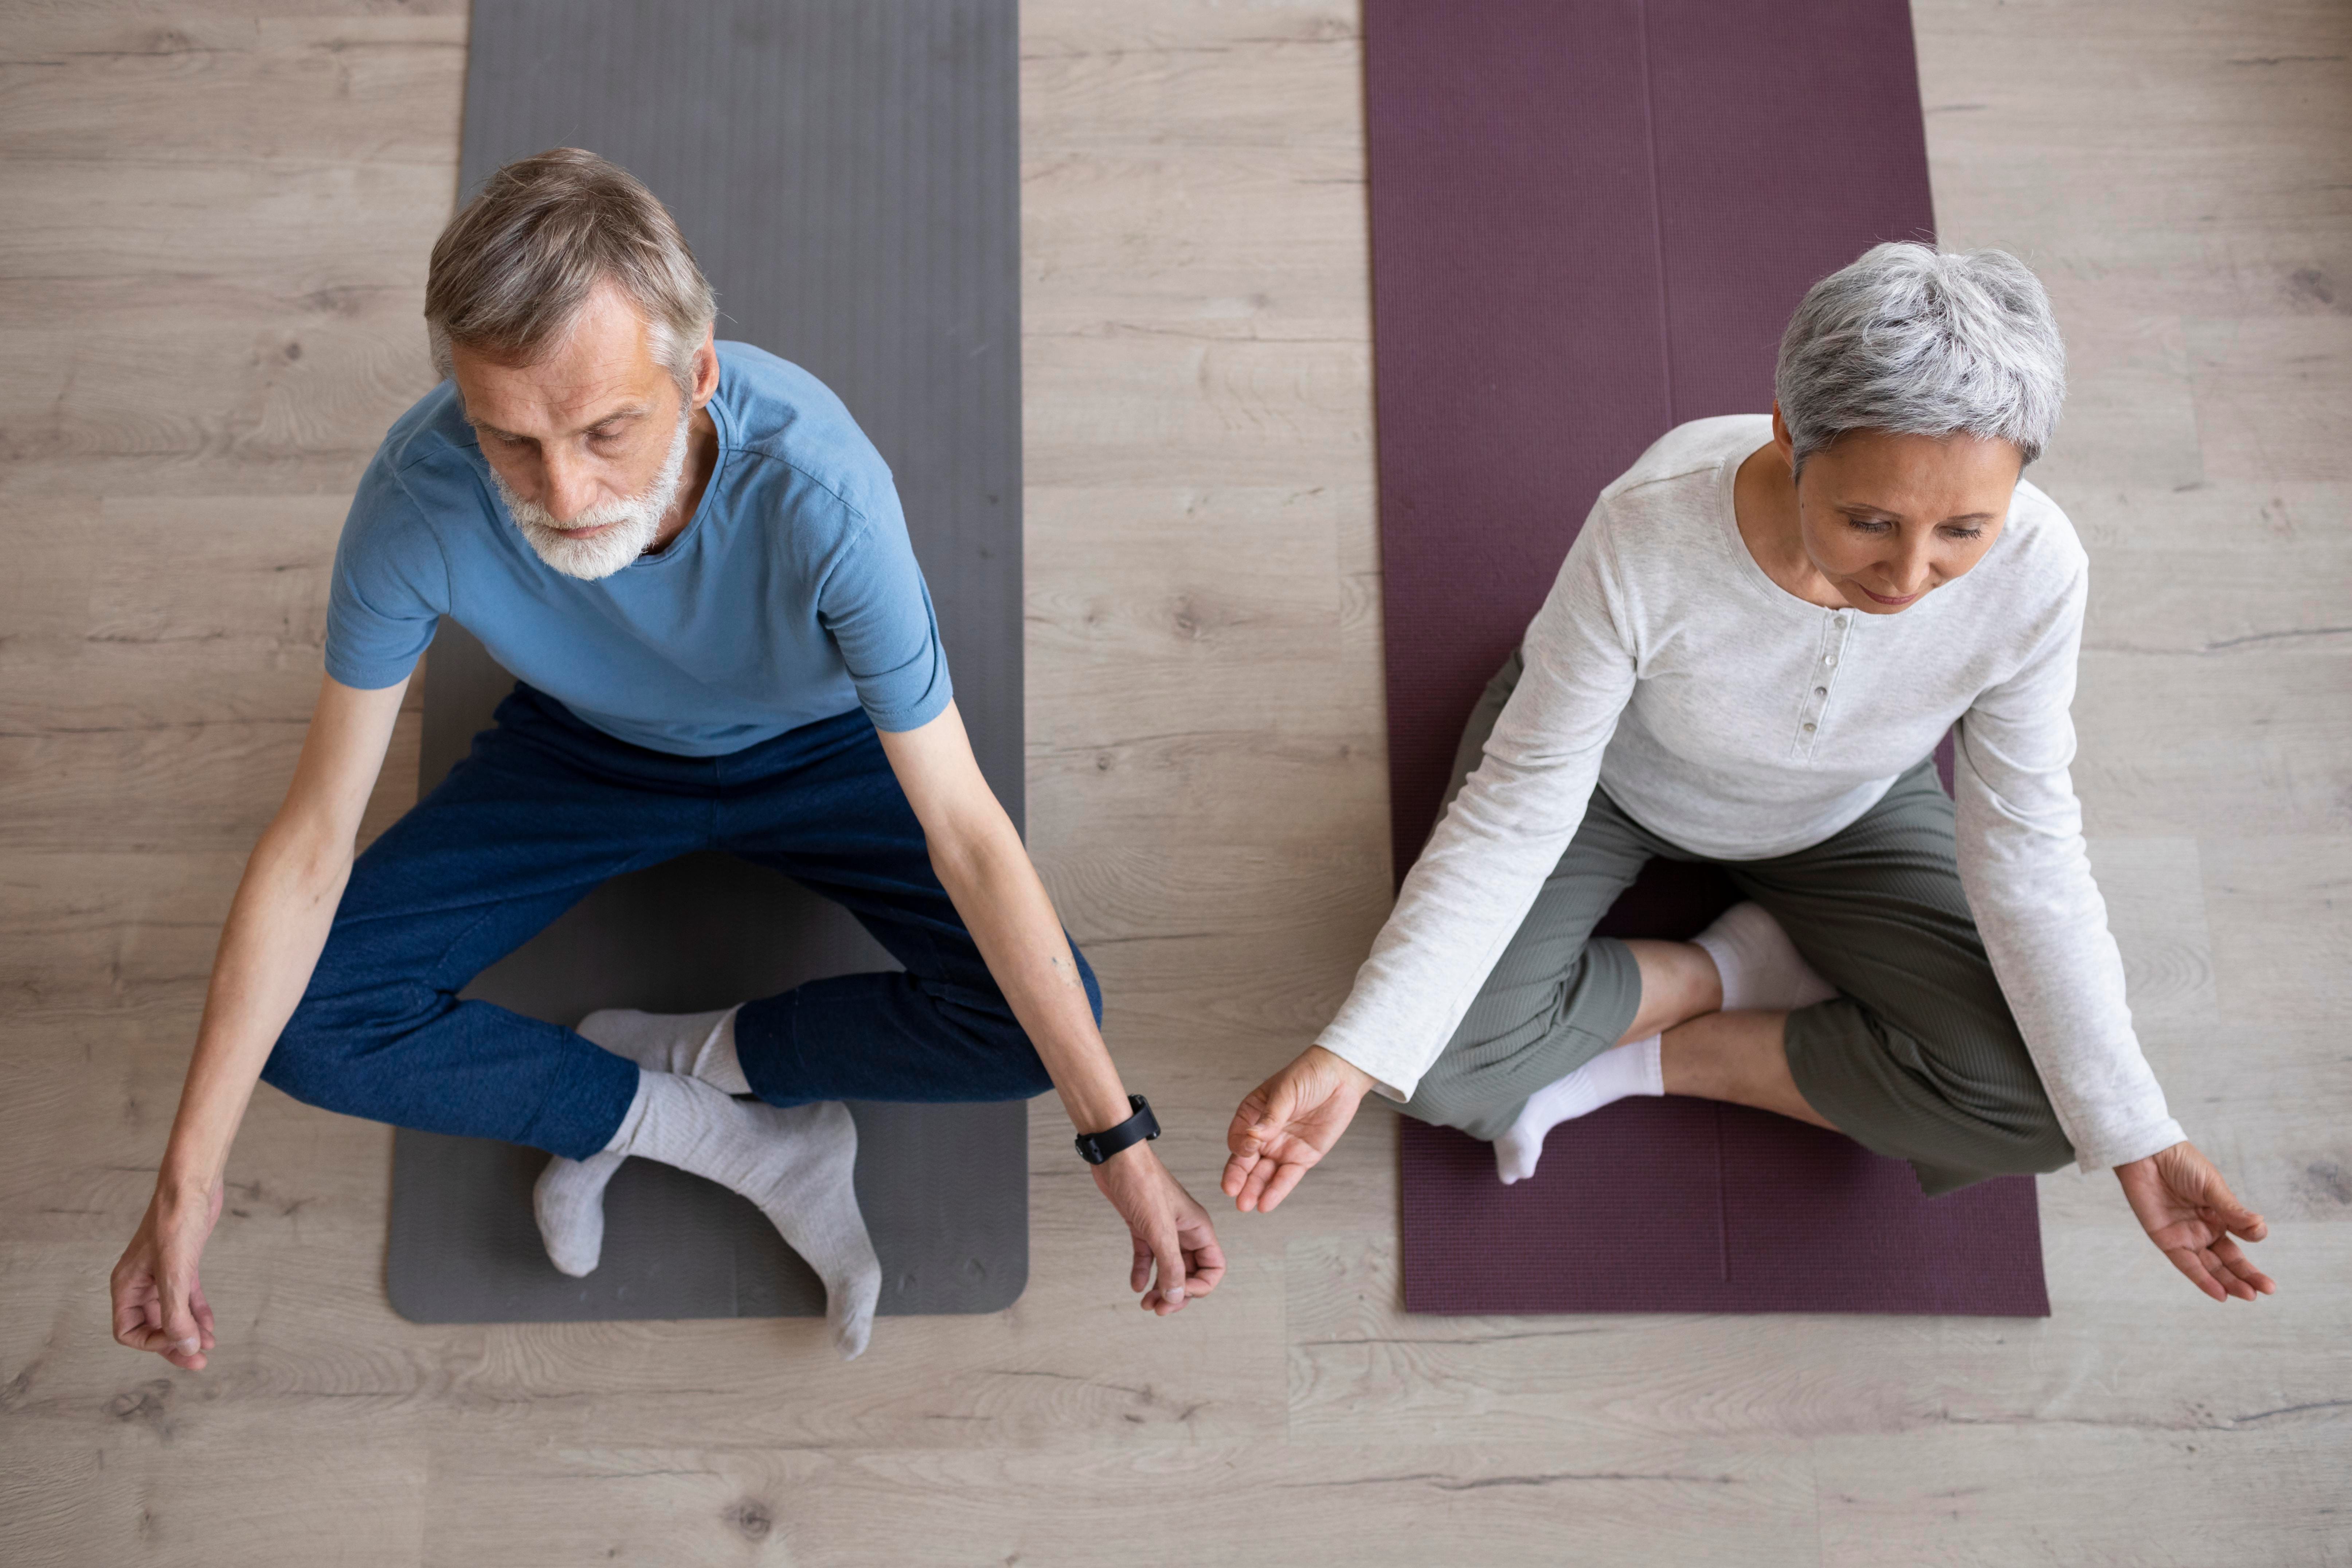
(390, 585)
(877, 609)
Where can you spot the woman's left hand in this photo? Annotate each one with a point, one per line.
(2188, 1211)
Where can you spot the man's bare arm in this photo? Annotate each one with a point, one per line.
(276, 928)
(986, 871)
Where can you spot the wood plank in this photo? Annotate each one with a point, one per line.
(198, 188)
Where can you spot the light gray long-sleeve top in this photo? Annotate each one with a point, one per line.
(1730, 717)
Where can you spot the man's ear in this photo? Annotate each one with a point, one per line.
(706, 368)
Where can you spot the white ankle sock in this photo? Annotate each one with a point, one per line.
(568, 1200)
(1759, 965)
(1632, 1069)
(700, 1044)
(796, 1162)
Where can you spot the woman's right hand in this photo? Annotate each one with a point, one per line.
(1289, 1122)
(159, 1302)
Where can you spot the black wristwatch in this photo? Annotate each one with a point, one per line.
(1140, 1127)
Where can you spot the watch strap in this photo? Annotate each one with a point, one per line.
(1140, 1127)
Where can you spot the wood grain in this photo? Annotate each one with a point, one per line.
(210, 283)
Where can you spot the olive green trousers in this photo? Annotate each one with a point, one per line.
(1917, 1057)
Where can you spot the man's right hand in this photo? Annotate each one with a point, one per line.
(1287, 1123)
(276, 925)
(159, 1302)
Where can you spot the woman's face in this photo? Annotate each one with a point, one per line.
(1889, 519)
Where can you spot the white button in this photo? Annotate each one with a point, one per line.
(1821, 691)
(1829, 660)
(1809, 729)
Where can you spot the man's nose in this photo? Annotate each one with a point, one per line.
(564, 491)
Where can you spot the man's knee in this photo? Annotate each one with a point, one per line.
(320, 1058)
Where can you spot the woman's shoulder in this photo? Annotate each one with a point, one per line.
(1689, 458)
(2038, 545)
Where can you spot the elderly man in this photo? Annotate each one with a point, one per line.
(696, 563)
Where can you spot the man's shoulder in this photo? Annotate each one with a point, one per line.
(424, 467)
(798, 434)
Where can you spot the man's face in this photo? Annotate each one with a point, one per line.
(1889, 519)
(587, 442)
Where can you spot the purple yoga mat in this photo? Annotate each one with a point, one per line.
(1591, 220)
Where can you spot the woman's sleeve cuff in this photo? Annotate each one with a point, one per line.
(2106, 1153)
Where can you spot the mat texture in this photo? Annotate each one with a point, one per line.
(1591, 220)
(848, 175)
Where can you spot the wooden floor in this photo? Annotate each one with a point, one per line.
(213, 223)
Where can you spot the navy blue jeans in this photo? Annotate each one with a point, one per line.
(544, 810)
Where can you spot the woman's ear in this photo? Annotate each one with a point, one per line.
(1780, 437)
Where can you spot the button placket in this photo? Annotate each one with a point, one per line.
(1820, 680)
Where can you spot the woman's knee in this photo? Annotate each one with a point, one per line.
(1445, 1101)
(1989, 1078)
(1961, 1103)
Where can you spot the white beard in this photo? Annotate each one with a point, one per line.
(636, 520)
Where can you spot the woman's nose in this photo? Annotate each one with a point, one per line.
(1909, 569)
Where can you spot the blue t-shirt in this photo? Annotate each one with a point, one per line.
(792, 596)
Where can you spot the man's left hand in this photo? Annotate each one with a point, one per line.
(2188, 1211)
(1169, 1230)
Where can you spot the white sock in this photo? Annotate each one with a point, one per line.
(1760, 967)
(1623, 1070)
(568, 1200)
(796, 1162)
(700, 1044)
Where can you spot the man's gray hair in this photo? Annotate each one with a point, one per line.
(1918, 341)
(512, 270)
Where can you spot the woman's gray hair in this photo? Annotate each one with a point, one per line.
(1919, 341)
(511, 270)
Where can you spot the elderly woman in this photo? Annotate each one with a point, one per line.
(1757, 641)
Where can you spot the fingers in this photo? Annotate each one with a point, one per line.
(2221, 1271)
(1138, 1274)
(204, 1310)
(2224, 1211)
(2229, 1256)
(1167, 1294)
(1206, 1263)
(1253, 1193)
(183, 1341)
(1287, 1175)
(1204, 1259)
(1254, 1120)
(1237, 1170)
(1240, 1133)
(2186, 1261)
(134, 1294)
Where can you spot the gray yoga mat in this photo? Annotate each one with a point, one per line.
(847, 172)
